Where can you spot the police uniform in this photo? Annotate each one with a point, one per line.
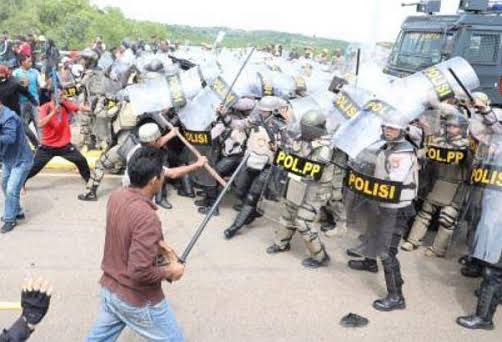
(386, 220)
(486, 242)
(446, 195)
(304, 200)
(335, 211)
(265, 129)
(305, 195)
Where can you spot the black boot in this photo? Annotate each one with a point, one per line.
(241, 220)
(314, 263)
(274, 249)
(186, 187)
(366, 264)
(162, 201)
(472, 268)
(394, 282)
(211, 196)
(487, 304)
(90, 195)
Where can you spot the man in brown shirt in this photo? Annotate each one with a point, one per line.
(136, 259)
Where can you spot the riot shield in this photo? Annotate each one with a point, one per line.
(197, 117)
(151, 96)
(364, 129)
(438, 82)
(105, 61)
(121, 67)
(346, 104)
(379, 186)
(96, 84)
(487, 176)
(406, 99)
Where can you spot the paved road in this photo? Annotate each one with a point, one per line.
(232, 290)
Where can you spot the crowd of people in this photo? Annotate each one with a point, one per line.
(314, 155)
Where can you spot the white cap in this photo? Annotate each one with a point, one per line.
(148, 133)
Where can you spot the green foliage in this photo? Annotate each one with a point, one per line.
(75, 23)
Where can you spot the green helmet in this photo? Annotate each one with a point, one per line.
(458, 120)
(313, 125)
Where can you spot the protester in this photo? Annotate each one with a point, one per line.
(10, 92)
(35, 301)
(55, 122)
(17, 158)
(29, 78)
(136, 259)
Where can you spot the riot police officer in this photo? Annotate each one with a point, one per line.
(89, 59)
(486, 241)
(392, 168)
(483, 118)
(447, 157)
(266, 128)
(306, 195)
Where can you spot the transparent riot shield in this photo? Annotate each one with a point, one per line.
(105, 61)
(346, 104)
(364, 129)
(380, 185)
(151, 96)
(197, 118)
(486, 176)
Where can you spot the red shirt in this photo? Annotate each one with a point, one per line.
(57, 132)
(25, 49)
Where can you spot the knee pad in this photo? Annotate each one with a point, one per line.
(448, 217)
(426, 211)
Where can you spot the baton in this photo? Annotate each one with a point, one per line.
(358, 61)
(237, 77)
(204, 223)
(208, 167)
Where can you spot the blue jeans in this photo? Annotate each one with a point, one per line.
(13, 177)
(152, 322)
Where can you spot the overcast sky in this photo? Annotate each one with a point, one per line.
(352, 20)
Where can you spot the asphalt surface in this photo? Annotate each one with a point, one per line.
(232, 290)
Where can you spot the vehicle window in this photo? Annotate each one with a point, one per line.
(418, 50)
(483, 48)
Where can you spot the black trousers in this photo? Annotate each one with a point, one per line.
(44, 154)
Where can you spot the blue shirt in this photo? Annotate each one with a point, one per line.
(14, 147)
(32, 76)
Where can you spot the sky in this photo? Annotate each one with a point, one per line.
(351, 20)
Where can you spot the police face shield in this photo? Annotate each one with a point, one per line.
(486, 178)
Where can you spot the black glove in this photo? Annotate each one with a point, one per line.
(35, 305)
